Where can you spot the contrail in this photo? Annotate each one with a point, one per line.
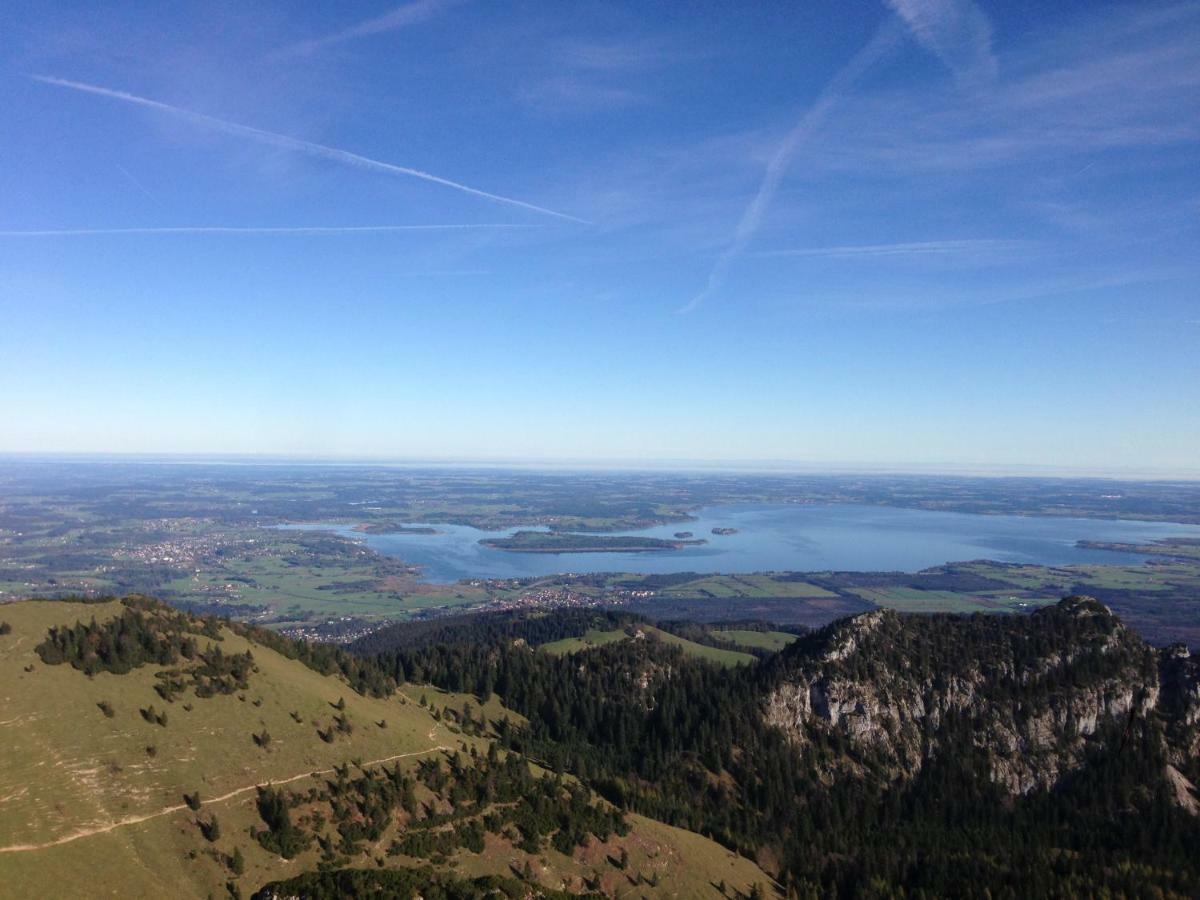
(410, 14)
(233, 229)
(290, 143)
(137, 184)
(885, 38)
(921, 248)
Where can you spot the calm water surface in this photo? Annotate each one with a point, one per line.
(842, 537)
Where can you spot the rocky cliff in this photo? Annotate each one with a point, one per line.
(1031, 696)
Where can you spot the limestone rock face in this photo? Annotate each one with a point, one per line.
(1180, 702)
(1033, 694)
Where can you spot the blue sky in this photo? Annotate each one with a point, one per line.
(912, 232)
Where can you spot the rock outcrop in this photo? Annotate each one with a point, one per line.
(1031, 695)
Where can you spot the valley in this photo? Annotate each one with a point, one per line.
(238, 541)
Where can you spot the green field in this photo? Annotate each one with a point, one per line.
(591, 639)
(712, 654)
(346, 585)
(599, 638)
(748, 586)
(764, 640)
(918, 601)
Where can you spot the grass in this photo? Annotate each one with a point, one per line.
(764, 640)
(593, 638)
(712, 654)
(62, 753)
(67, 767)
(599, 638)
(687, 864)
(276, 581)
(762, 586)
(913, 600)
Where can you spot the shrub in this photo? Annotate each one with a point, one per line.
(210, 829)
(154, 717)
(283, 838)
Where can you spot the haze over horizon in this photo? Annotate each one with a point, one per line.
(955, 234)
(618, 465)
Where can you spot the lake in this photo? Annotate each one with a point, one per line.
(786, 537)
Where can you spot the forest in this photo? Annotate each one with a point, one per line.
(675, 738)
(654, 730)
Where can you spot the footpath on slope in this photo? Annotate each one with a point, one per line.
(166, 811)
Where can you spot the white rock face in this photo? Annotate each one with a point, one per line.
(1033, 714)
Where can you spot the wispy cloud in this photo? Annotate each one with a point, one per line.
(575, 95)
(1112, 82)
(956, 31)
(629, 55)
(918, 248)
(261, 230)
(889, 295)
(584, 76)
(883, 41)
(404, 16)
(335, 154)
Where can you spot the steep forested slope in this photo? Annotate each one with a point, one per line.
(1048, 754)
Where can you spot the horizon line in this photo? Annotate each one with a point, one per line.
(629, 464)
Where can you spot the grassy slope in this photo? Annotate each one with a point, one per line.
(67, 769)
(766, 640)
(593, 638)
(712, 654)
(597, 638)
(687, 864)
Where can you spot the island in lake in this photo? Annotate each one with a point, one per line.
(724, 531)
(556, 542)
(683, 535)
(393, 528)
(1177, 548)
